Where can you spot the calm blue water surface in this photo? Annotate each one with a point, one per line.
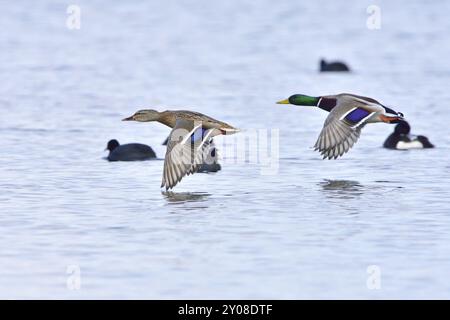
(309, 231)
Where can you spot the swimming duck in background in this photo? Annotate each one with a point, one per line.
(400, 139)
(210, 164)
(190, 137)
(335, 66)
(129, 152)
(349, 113)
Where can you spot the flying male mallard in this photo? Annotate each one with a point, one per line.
(349, 113)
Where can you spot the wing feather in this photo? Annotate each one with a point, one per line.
(339, 135)
(183, 156)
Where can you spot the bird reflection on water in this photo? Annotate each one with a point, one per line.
(177, 198)
(342, 189)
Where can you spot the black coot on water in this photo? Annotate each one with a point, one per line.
(129, 152)
(334, 66)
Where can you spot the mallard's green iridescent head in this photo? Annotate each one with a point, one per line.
(300, 100)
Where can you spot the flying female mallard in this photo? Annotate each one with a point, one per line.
(349, 113)
(190, 137)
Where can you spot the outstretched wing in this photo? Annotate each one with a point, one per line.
(185, 148)
(342, 129)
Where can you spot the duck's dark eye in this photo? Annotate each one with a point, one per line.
(400, 114)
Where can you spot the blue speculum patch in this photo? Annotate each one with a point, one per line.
(198, 135)
(357, 115)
